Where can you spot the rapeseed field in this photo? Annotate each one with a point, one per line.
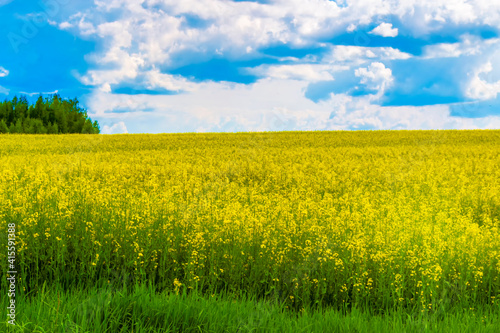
(374, 219)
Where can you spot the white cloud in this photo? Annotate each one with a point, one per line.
(65, 25)
(267, 105)
(376, 76)
(156, 79)
(38, 93)
(105, 87)
(4, 91)
(81, 22)
(118, 128)
(156, 32)
(469, 45)
(306, 72)
(351, 27)
(385, 30)
(3, 72)
(128, 66)
(148, 38)
(235, 24)
(360, 54)
(482, 89)
(367, 116)
(118, 31)
(446, 50)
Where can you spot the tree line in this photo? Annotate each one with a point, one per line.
(52, 115)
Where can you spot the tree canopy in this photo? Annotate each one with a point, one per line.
(52, 115)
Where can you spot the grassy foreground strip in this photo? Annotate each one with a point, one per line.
(142, 310)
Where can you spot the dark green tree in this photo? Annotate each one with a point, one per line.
(21, 108)
(38, 127)
(52, 115)
(3, 127)
(28, 126)
(38, 109)
(10, 112)
(17, 128)
(52, 128)
(3, 111)
(87, 127)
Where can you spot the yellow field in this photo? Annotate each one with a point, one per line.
(384, 218)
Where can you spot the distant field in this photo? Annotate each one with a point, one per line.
(384, 220)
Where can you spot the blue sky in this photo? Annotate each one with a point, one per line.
(153, 66)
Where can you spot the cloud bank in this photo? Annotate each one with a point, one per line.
(220, 65)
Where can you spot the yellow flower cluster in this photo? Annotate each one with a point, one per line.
(387, 217)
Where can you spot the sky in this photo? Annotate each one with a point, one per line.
(162, 66)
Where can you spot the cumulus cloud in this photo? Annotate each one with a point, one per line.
(385, 30)
(118, 128)
(147, 40)
(162, 33)
(376, 76)
(129, 68)
(268, 105)
(3, 72)
(480, 88)
(65, 25)
(156, 79)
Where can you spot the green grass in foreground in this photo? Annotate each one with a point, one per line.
(141, 310)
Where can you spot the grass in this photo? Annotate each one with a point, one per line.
(142, 310)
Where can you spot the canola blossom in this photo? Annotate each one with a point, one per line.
(383, 219)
